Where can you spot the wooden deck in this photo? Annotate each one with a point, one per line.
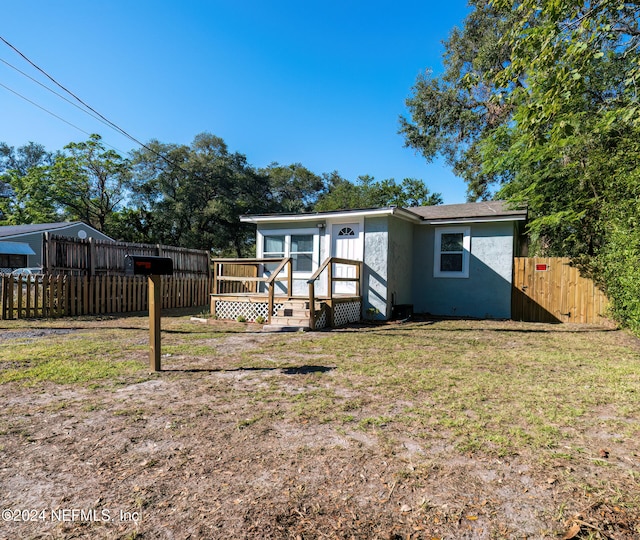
(245, 289)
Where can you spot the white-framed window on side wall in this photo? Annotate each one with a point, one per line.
(451, 252)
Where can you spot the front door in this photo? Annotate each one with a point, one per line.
(346, 245)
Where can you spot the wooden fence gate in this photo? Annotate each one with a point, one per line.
(549, 289)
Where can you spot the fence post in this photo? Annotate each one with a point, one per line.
(92, 257)
(3, 295)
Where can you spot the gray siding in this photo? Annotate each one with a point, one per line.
(376, 252)
(400, 262)
(486, 293)
(35, 242)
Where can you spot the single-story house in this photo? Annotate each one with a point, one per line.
(447, 260)
(14, 255)
(33, 235)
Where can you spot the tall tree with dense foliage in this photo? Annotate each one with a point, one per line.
(450, 114)
(541, 103)
(24, 196)
(367, 193)
(84, 182)
(192, 196)
(293, 188)
(90, 182)
(572, 147)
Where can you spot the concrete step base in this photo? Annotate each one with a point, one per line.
(284, 328)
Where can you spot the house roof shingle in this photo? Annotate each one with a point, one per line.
(486, 209)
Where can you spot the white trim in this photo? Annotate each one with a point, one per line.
(349, 215)
(315, 259)
(466, 251)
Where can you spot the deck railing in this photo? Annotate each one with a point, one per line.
(331, 280)
(242, 277)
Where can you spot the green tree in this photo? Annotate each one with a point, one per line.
(192, 196)
(367, 193)
(449, 115)
(25, 195)
(90, 182)
(543, 106)
(293, 188)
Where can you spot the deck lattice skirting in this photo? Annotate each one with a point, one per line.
(232, 309)
(346, 312)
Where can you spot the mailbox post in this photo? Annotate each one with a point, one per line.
(154, 268)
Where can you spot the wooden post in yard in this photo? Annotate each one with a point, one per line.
(154, 268)
(155, 301)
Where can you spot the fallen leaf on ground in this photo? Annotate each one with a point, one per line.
(573, 531)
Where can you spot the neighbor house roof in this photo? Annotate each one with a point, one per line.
(13, 231)
(15, 248)
(446, 213)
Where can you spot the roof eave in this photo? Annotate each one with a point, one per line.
(479, 219)
(293, 218)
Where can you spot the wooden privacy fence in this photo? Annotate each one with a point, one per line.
(64, 255)
(56, 296)
(550, 289)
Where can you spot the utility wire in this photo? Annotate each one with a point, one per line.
(114, 126)
(53, 91)
(54, 115)
(109, 122)
(45, 110)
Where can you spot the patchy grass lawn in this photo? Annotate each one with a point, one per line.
(429, 429)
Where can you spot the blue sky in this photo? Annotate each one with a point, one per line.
(319, 83)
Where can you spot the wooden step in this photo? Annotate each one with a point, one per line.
(291, 321)
(294, 311)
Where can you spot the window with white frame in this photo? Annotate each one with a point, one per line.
(273, 247)
(301, 252)
(299, 245)
(452, 248)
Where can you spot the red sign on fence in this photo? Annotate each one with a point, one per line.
(542, 267)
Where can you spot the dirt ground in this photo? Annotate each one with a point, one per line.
(187, 454)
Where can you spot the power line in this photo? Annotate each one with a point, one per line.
(114, 126)
(43, 109)
(109, 122)
(53, 114)
(53, 91)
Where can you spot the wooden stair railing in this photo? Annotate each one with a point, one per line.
(328, 265)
